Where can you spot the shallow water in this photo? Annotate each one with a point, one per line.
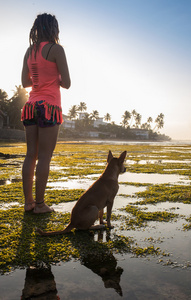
(128, 277)
(140, 279)
(84, 183)
(116, 276)
(154, 178)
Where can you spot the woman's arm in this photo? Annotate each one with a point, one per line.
(25, 77)
(60, 59)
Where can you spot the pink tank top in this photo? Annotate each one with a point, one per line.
(46, 86)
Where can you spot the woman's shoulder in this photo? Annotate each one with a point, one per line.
(58, 47)
(57, 51)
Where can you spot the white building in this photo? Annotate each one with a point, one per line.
(67, 123)
(141, 133)
(70, 124)
(82, 115)
(98, 122)
(93, 134)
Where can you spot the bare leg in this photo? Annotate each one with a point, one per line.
(46, 143)
(29, 165)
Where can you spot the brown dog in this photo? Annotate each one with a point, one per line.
(100, 194)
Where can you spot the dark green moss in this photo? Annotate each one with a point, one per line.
(165, 192)
(140, 217)
(187, 226)
(20, 246)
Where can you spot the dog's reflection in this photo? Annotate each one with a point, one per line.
(104, 265)
(39, 284)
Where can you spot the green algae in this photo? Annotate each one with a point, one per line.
(81, 171)
(11, 170)
(149, 216)
(150, 250)
(163, 193)
(13, 193)
(58, 196)
(159, 168)
(139, 218)
(137, 184)
(20, 246)
(187, 226)
(74, 156)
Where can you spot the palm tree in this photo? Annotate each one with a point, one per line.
(144, 126)
(3, 95)
(20, 92)
(125, 119)
(147, 125)
(82, 106)
(94, 115)
(3, 100)
(15, 105)
(149, 121)
(86, 121)
(137, 120)
(133, 115)
(159, 121)
(107, 117)
(73, 111)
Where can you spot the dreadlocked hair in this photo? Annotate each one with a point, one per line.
(45, 27)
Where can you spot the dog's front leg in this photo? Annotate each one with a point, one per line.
(109, 209)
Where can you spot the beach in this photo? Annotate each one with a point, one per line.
(145, 256)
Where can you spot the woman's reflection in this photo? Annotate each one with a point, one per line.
(39, 284)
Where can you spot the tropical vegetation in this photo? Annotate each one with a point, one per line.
(84, 123)
(12, 107)
(129, 119)
(11, 110)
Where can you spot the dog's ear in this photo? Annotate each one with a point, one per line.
(109, 157)
(122, 157)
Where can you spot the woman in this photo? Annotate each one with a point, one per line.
(45, 69)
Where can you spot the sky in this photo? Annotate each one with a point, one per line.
(122, 55)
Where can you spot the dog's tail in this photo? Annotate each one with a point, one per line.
(48, 233)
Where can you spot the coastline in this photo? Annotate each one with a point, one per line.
(123, 142)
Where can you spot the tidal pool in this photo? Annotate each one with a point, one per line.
(114, 274)
(84, 183)
(136, 279)
(112, 277)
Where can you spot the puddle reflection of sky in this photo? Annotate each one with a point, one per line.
(84, 183)
(125, 189)
(153, 178)
(139, 275)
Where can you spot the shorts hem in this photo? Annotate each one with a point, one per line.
(41, 114)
